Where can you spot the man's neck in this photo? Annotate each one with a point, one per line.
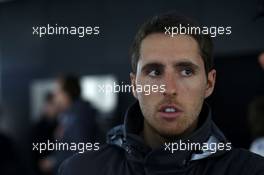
(151, 137)
(154, 139)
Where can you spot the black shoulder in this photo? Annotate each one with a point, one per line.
(252, 163)
(245, 154)
(90, 161)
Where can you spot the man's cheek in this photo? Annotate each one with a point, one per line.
(193, 88)
(190, 97)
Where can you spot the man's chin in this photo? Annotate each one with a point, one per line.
(170, 134)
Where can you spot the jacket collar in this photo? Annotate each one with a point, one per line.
(127, 137)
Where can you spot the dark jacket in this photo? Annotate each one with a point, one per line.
(78, 126)
(126, 154)
(10, 162)
(78, 123)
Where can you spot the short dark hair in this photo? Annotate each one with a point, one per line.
(71, 86)
(158, 23)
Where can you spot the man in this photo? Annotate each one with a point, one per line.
(76, 123)
(261, 60)
(44, 129)
(77, 117)
(157, 124)
(256, 125)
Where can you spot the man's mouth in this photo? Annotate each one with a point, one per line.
(169, 111)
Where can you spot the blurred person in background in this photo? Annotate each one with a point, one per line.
(10, 161)
(44, 129)
(260, 91)
(261, 60)
(76, 120)
(256, 123)
(256, 116)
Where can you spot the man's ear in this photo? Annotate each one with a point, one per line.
(210, 83)
(133, 83)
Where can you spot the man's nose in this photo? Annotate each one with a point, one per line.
(170, 85)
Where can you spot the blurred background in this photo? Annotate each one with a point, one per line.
(29, 65)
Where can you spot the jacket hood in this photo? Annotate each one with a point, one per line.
(126, 137)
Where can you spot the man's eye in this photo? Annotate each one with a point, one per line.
(154, 73)
(186, 72)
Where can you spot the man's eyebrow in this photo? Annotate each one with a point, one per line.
(149, 66)
(186, 64)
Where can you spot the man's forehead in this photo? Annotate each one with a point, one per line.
(160, 40)
(161, 48)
